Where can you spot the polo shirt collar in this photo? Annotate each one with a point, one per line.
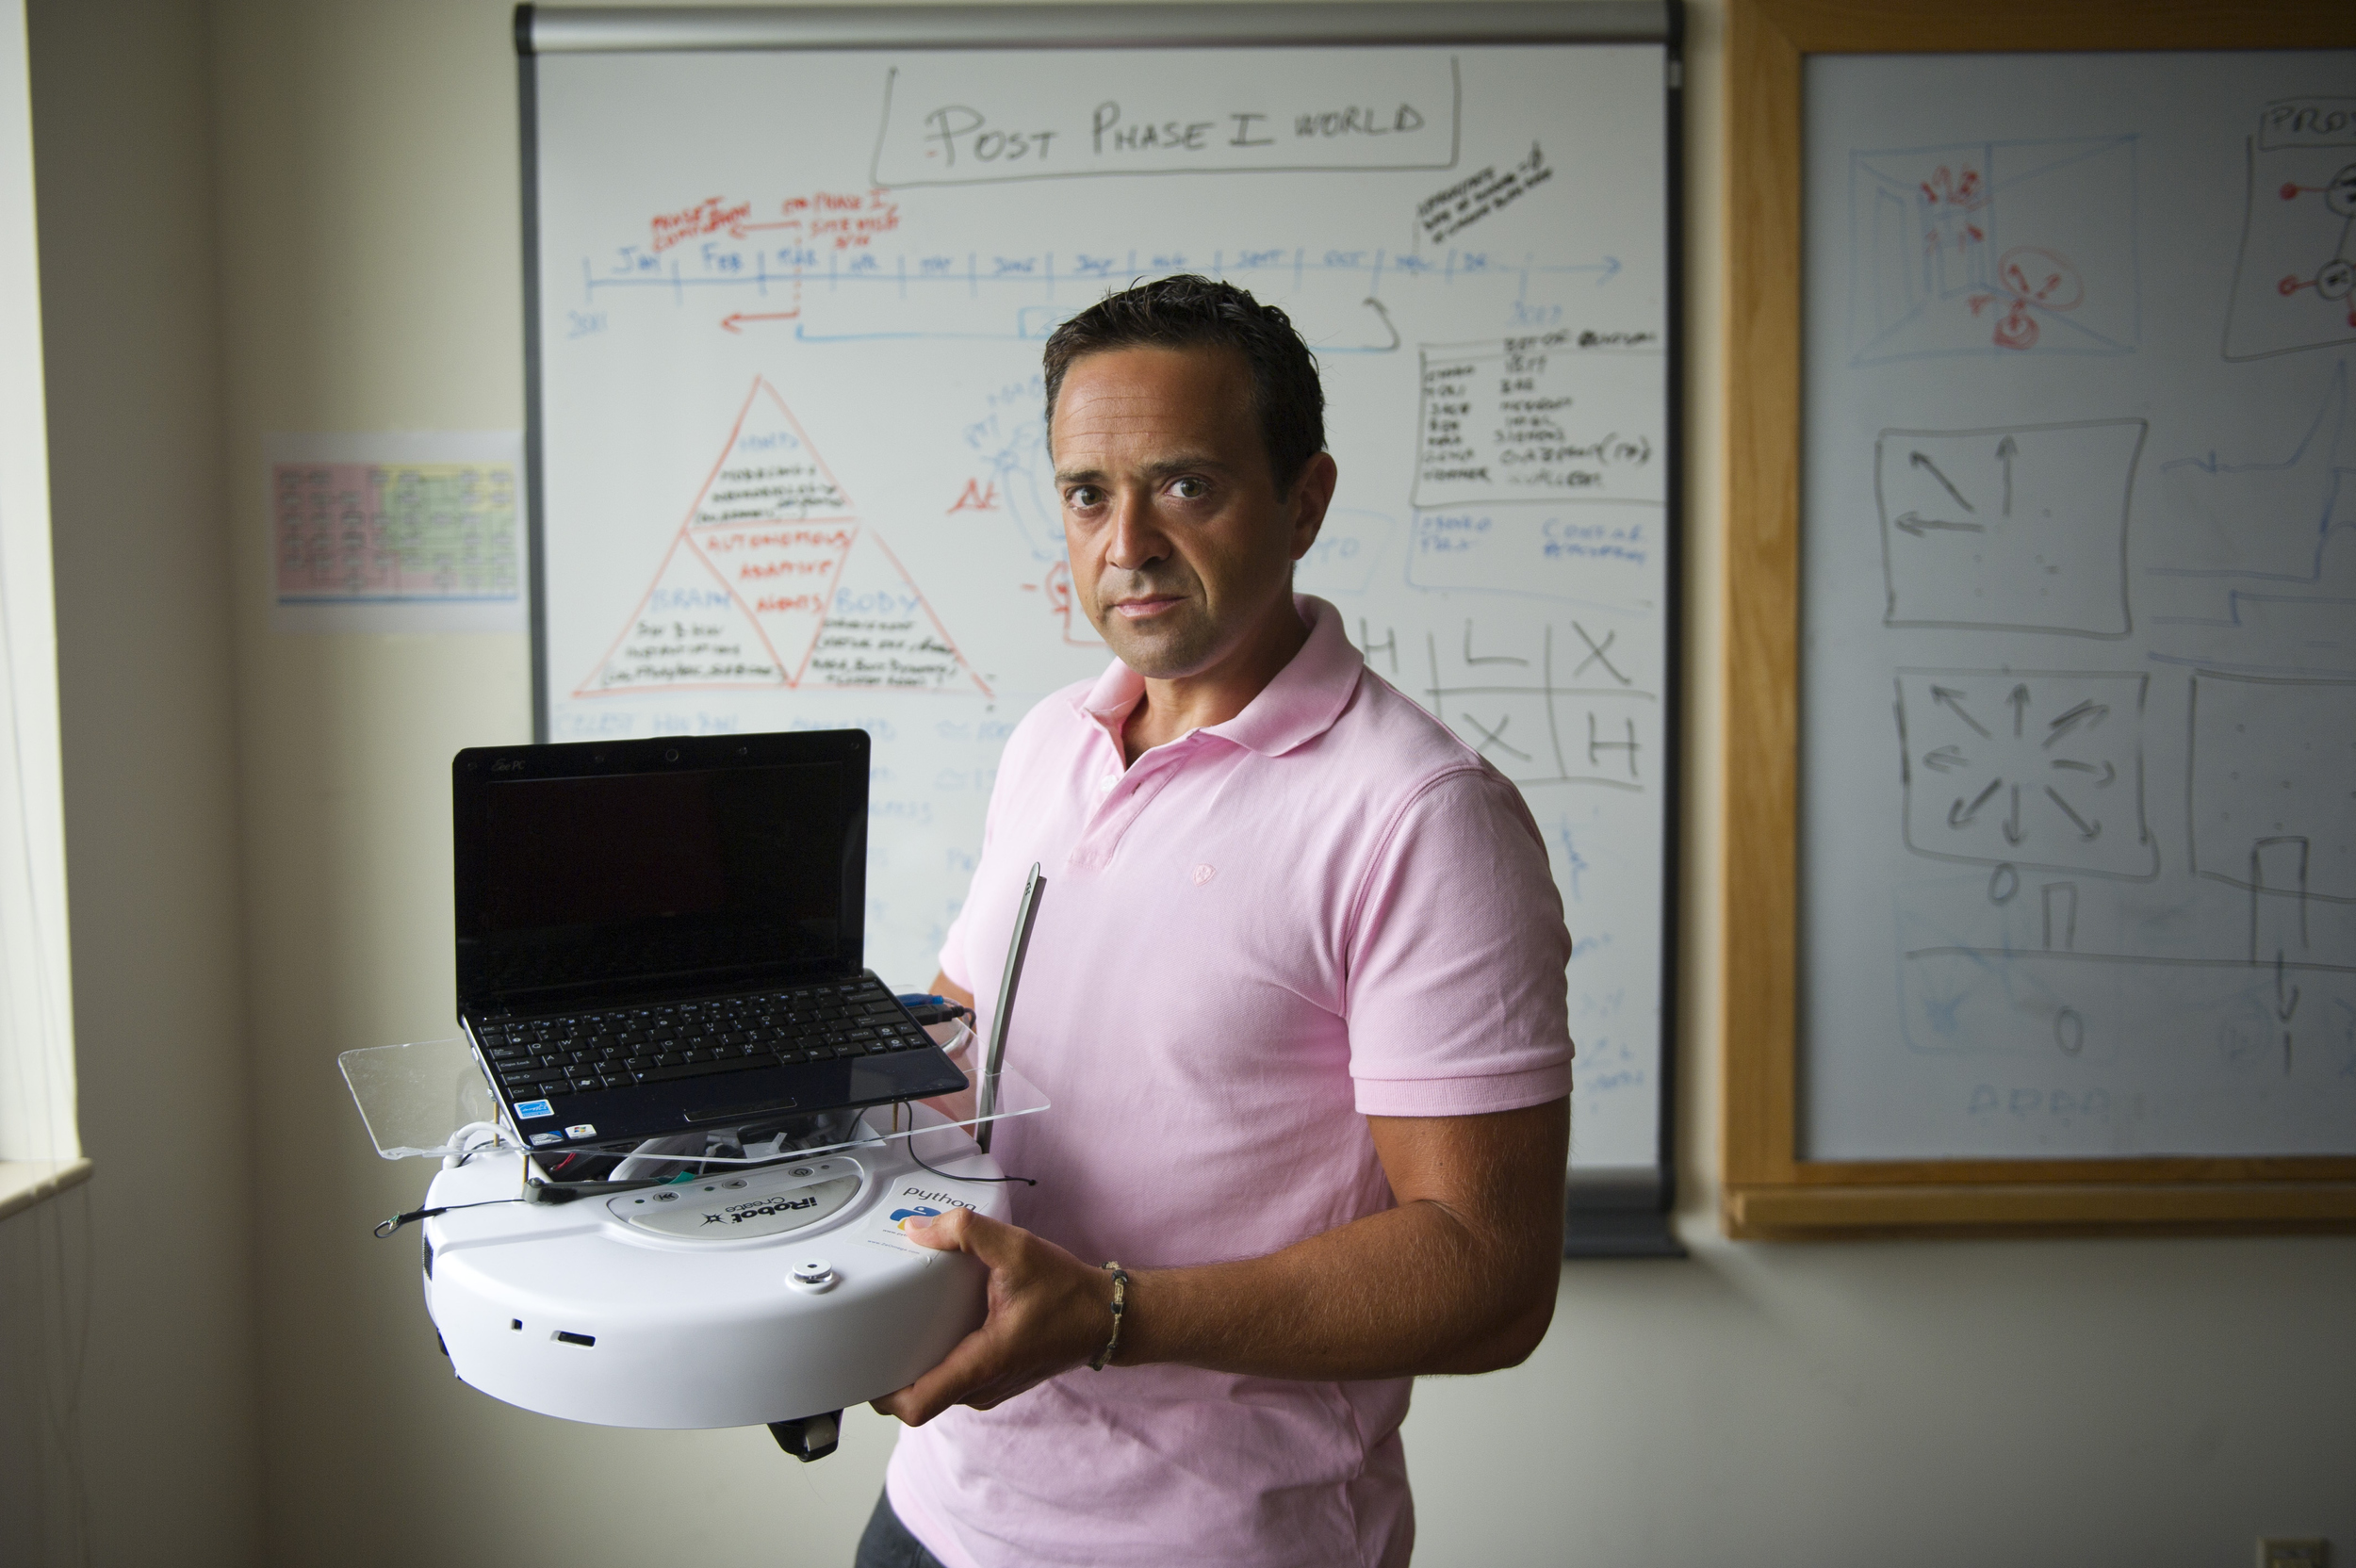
(1296, 708)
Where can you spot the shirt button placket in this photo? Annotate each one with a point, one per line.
(1089, 854)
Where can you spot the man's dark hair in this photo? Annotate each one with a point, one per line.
(1188, 311)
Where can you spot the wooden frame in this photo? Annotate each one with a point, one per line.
(1769, 1190)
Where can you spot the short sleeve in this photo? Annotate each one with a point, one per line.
(1457, 993)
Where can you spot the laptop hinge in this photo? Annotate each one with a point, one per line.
(607, 995)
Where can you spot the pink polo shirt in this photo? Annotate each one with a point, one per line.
(1326, 908)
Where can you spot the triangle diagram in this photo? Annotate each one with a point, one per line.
(880, 633)
(771, 582)
(768, 472)
(690, 633)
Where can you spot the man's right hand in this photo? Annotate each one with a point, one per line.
(1049, 1313)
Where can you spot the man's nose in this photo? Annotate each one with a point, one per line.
(1137, 540)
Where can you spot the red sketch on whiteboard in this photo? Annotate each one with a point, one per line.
(976, 497)
(2029, 275)
(845, 219)
(1078, 631)
(772, 580)
(1993, 248)
(1952, 207)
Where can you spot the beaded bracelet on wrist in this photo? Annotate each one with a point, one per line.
(1121, 1305)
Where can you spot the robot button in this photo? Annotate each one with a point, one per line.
(815, 1275)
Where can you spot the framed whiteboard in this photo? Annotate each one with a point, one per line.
(791, 272)
(2050, 812)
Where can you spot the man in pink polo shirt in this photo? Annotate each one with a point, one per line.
(1296, 992)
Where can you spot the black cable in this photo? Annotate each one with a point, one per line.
(387, 1228)
(1026, 1181)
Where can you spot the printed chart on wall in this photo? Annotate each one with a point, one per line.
(2079, 755)
(790, 308)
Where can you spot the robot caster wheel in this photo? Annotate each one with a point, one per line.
(809, 1437)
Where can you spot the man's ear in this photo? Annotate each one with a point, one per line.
(1313, 493)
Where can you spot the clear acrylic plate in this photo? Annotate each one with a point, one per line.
(428, 1101)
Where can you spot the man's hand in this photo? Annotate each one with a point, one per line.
(1049, 1313)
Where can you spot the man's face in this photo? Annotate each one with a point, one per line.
(1181, 548)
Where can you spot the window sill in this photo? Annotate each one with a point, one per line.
(25, 1183)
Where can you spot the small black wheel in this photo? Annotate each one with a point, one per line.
(809, 1437)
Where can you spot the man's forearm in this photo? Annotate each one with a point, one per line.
(1459, 1278)
(1408, 1291)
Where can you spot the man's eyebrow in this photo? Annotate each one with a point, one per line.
(1183, 463)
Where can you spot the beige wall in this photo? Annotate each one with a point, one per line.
(2017, 1402)
(126, 1306)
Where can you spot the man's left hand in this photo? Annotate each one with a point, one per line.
(1049, 1313)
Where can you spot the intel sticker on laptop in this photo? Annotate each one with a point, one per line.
(527, 1109)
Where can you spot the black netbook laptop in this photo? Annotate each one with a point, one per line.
(660, 937)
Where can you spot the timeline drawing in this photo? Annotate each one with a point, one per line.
(2018, 528)
(2295, 278)
(851, 291)
(1566, 706)
(1993, 248)
(772, 580)
(2036, 768)
(2266, 519)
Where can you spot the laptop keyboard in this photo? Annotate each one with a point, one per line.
(585, 1053)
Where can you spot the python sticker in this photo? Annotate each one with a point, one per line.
(888, 1225)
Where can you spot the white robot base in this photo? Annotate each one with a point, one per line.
(776, 1295)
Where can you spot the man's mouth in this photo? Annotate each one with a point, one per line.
(1145, 607)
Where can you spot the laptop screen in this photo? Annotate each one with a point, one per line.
(654, 877)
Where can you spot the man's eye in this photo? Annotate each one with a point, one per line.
(1190, 489)
(1083, 496)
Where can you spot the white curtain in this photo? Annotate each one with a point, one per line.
(36, 1119)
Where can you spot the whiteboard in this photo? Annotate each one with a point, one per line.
(2079, 606)
(790, 307)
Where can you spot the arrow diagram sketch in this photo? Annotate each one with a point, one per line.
(2018, 529)
(2055, 780)
(774, 581)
